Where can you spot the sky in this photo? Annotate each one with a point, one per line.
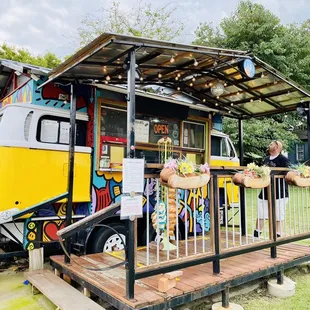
(51, 25)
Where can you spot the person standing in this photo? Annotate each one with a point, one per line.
(275, 159)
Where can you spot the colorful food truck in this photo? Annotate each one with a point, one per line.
(34, 138)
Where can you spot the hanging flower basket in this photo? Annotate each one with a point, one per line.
(241, 180)
(253, 177)
(184, 175)
(297, 179)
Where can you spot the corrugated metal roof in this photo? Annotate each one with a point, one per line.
(189, 69)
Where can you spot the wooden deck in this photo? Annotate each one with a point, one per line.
(196, 282)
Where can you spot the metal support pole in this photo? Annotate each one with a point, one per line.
(216, 263)
(280, 275)
(71, 166)
(273, 212)
(131, 107)
(308, 130)
(241, 146)
(242, 189)
(225, 298)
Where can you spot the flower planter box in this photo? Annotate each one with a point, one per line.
(293, 178)
(241, 180)
(169, 178)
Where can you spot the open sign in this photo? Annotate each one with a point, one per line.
(161, 129)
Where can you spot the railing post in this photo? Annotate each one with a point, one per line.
(131, 107)
(71, 167)
(272, 197)
(215, 191)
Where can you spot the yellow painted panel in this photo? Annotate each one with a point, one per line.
(30, 176)
(117, 154)
(232, 194)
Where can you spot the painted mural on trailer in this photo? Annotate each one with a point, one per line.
(21, 95)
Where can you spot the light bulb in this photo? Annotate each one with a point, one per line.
(196, 63)
(178, 88)
(216, 104)
(210, 84)
(172, 60)
(160, 75)
(108, 78)
(141, 78)
(251, 100)
(106, 82)
(262, 75)
(191, 84)
(193, 79)
(176, 78)
(229, 111)
(238, 93)
(225, 84)
(104, 68)
(119, 76)
(178, 75)
(232, 104)
(204, 100)
(217, 97)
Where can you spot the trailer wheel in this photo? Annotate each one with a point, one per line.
(107, 240)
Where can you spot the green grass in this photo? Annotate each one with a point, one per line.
(260, 299)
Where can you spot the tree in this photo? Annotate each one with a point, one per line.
(259, 133)
(286, 47)
(49, 60)
(142, 20)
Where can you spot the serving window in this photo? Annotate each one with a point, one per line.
(188, 138)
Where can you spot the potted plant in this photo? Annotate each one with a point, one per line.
(299, 175)
(253, 176)
(181, 173)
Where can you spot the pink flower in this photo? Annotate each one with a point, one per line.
(204, 168)
(171, 164)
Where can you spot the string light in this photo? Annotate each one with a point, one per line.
(238, 93)
(172, 60)
(108, 78)
(251, 100)
(204, 100)
(178, 88)
(216, 104)
(232, 104)
(178, 75)
(160, 75)
(210, 84)
(229, 111)
(260, 99)
(104, 69)
(217, 97)
(141, 78)
(225, 84)
(191, 84)
(196, 63)
(193, 79)
(119, 76)
(106, 82)
(262, 75)
(285, 116)
(176, 78)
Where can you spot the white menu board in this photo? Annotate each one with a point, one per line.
(142, 129)
(133, 175)
(49, 131)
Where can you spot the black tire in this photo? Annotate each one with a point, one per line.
(104, 234)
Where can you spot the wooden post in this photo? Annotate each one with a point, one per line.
(36, 259)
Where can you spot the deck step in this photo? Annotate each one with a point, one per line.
(59, 292)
